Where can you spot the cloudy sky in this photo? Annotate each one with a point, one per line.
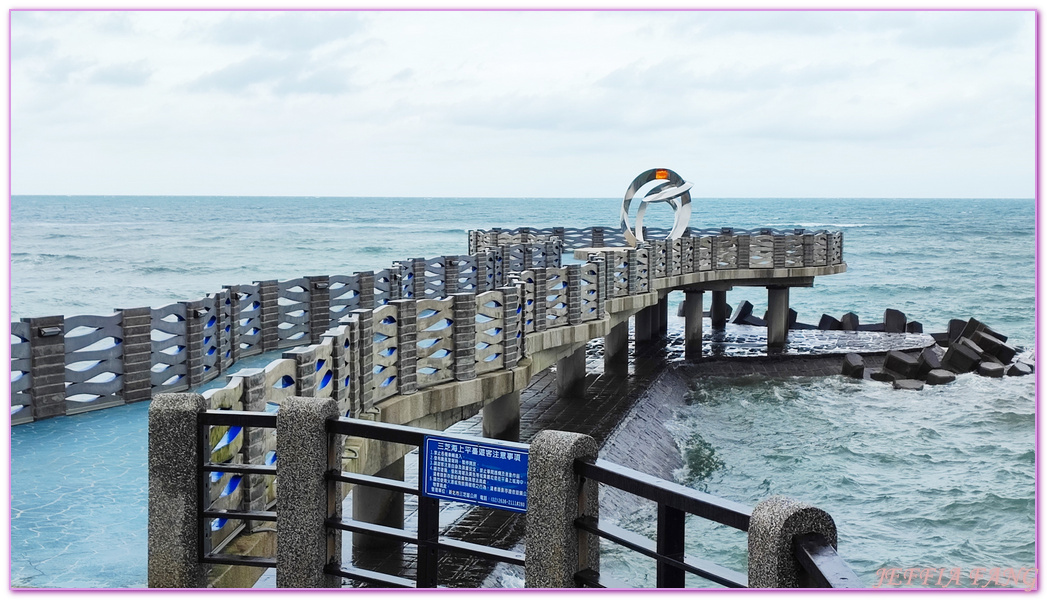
(553, 104)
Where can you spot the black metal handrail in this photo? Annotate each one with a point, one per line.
(674, 503)
(824, 568)
(207, 554)
(427, 538)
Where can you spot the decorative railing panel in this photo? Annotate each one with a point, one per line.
(527, 300)
(93, 361)
(224, 489)
(436, 276)
(556, 299)
(385, 344)
(435, 361)
(761, 251)
(345, 296)
(725, 252)
(250, 322)
(386, 285)
(467, 268)
(490, 332)
(643, 269)
(209, 316)
(792, 253)
(168, 349)
(618, 274)
(293, 301)
(21, 375)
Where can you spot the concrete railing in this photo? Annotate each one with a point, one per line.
(68, 365)
(419, 323)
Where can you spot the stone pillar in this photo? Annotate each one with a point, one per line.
(616, 348)
(663, 315)
(47, 365)
(407, 345)
(718, 311)
(195, 313)
(138, 353)
(319, 307)
(365, 279)
(501, 418)
(574, 294)
(174, 525)
(644, 324)
(304, 498)
(556, 549)
(269, 317)
(692, 308)
(378, 506)
(777, 316)
(570, 375)
(772, 527)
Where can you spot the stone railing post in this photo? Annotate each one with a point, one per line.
(270, 314)
(556, 496)
(319, 307)
(363, 354)
(304, 370)
(779, 251)
(744, 251)
(174, 525)
(772, 527)
(670, 257)
(511, 345)
(464, 308)
(407, 345)
(597, 237)
(541, 298)
(604, 287)
(366, 282)
(482, 285)
(633, 270)
(304, 498)
(808, 249)
(450, 275)
(138, 352)
(195, 313)
(234, 325)
(574, 294)
(47, 365)
(554, 254)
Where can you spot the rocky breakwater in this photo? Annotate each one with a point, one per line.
(967, 346)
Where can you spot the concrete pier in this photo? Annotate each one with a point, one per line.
(645, 324)
(777, 316)
(570, 375)
(616, 347)
(718, 311)
(692, 307)
(501, 418)
(663, 316)
(381, 507)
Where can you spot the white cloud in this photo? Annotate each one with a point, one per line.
(311, 103)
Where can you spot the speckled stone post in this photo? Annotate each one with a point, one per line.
(174, 528)
(556, 549)
(772, 527)
(303, 498)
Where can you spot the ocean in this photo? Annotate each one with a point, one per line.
(943, 478)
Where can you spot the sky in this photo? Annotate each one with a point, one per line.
(523, 104)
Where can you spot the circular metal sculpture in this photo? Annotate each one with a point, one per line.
(657, 185)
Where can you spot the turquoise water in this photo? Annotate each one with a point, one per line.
(939, 478)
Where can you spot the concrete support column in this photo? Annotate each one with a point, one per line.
(644, 324)
(616, 347)
(663, 315)
(718, 311)
(772, 527)
(570, 375)
(174, 527)
(304, 498)
(501, 418)
(777, 316)
(381, 507)
(556, 549)
(692, 310)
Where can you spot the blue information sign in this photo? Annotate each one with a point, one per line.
(475, 473)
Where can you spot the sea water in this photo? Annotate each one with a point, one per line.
(942, 478)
